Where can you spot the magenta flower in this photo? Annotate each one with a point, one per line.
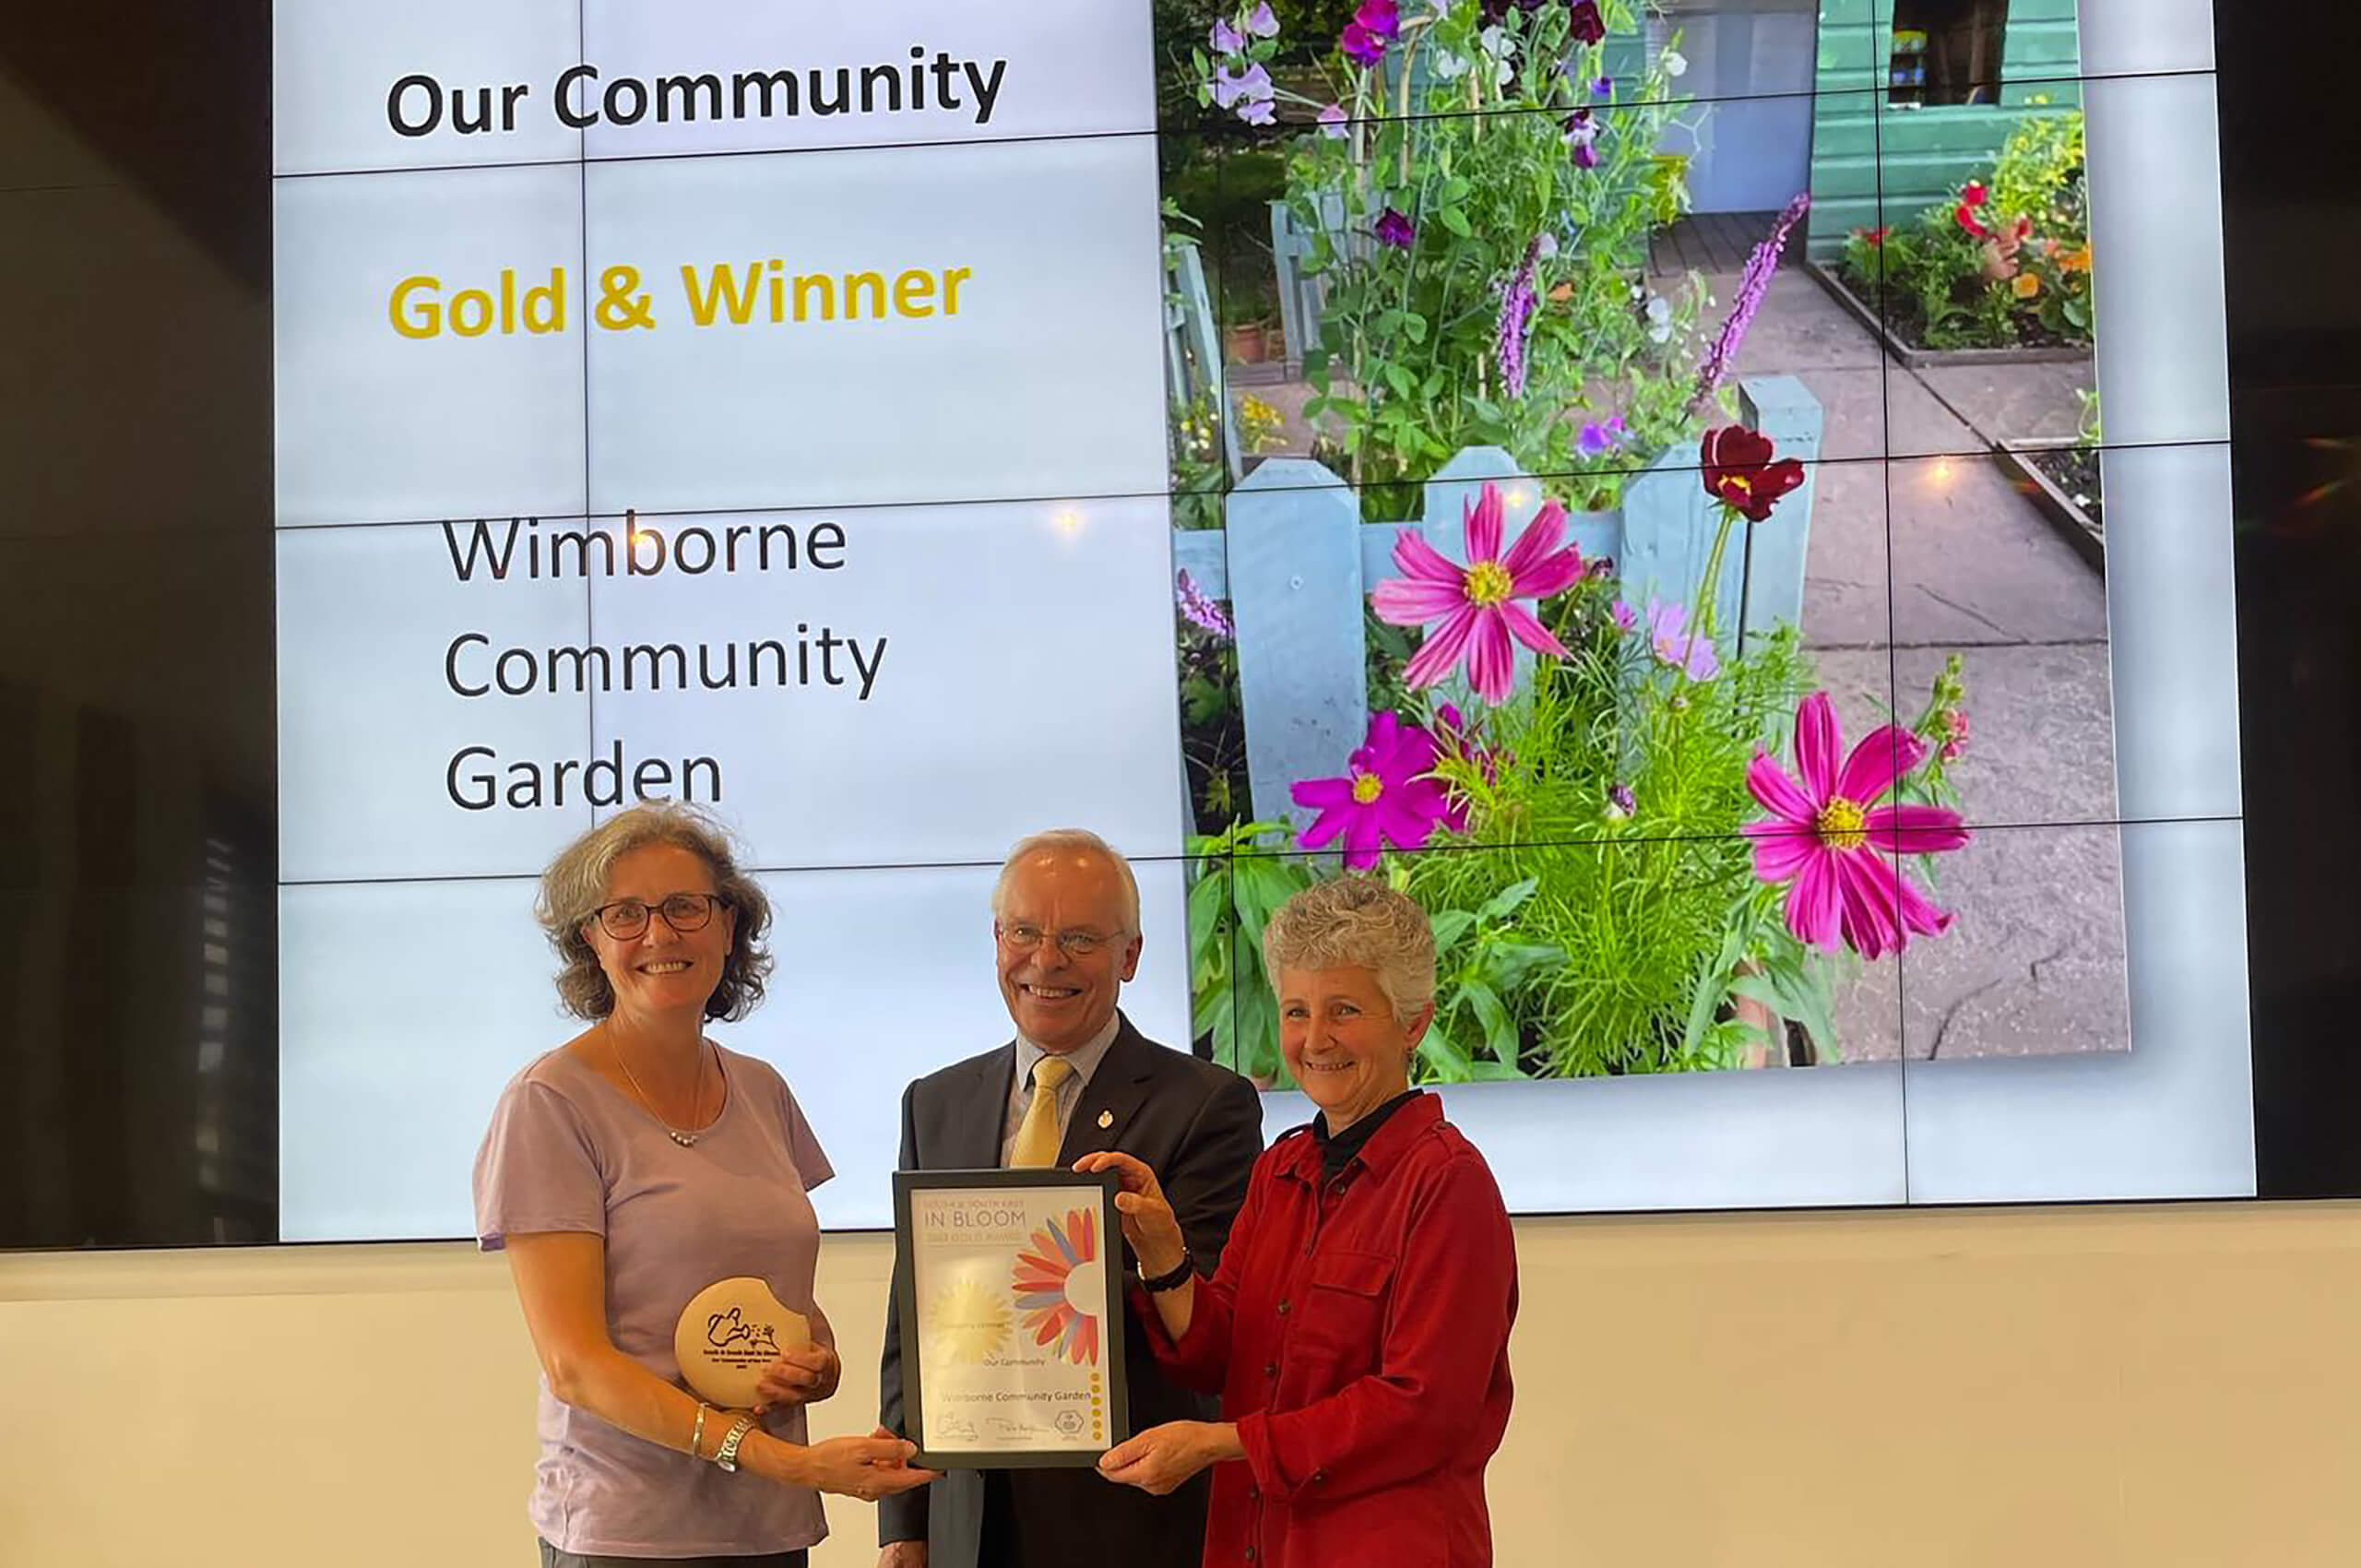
(1954, 733)
(1826, 833)
(1476, 604)
(1394, 228)
(1455, 737)
(1332, 121)
(1227, 39)
(1263, 23)
(1625, 616)
(1385, 797)
(1377, 23)
(1677, 648)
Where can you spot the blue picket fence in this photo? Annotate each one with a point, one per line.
(1296, 564)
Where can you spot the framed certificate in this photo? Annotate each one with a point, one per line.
(1011, 1317)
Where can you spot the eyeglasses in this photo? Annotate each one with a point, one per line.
(1023, 938)
(684, 913)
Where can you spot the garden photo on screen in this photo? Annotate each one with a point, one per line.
(1639, 495)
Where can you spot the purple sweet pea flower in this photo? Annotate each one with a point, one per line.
(1582, 135)
(1377, 23)
(1603, 88)
(1249, 86)
(1263, 23)
(1332, 121)
(1227, 40)
(1394, 228)
(1601, 436)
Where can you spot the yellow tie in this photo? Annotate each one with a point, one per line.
(1038, 1136)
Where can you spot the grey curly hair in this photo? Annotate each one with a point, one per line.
(1357, 922)
(576, 885)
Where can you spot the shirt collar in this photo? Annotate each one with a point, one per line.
(1385, 1147)
(1084, 1058)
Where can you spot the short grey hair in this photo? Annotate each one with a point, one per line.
(1357, 922)
(576, 885)
(1070, 838)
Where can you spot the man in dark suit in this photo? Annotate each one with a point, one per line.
(1078, 1078)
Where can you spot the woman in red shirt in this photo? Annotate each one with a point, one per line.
(1357, 1328)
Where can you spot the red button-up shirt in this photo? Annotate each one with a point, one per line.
(1358, 1336)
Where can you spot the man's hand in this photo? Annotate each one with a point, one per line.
(903, 1554)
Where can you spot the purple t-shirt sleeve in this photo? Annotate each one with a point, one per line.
(537, 1169)
(811, 1159)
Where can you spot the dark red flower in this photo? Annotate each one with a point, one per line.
(1587, 25)
(1740, 471)
(1875, 236)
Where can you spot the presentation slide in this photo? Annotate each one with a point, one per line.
(1634, 478)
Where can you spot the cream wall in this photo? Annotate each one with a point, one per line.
(2085, 1386)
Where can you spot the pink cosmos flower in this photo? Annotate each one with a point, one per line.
(1476, 604)
(1385, 796)
(1826, 833)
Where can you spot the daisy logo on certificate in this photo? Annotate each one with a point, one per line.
(1061, 1287)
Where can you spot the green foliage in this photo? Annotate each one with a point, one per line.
(2039, 174)
(1242, 876)
(2025, 279)
(1640, 903)
(1482, 958)
(1408, 363)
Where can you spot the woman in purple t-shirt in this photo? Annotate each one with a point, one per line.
(631, 1168)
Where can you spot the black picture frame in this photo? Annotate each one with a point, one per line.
(1105, 1184)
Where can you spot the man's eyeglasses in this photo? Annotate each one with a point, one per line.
(1023, 938)
(684, 913)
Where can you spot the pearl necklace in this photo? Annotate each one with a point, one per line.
(686, 1140)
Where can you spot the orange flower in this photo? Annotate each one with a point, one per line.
(2076, 260)
(2027, 286)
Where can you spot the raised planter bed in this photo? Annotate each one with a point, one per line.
(2029, 465)
(1912, 358)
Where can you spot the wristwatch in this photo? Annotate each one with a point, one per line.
(726, 1455)
(1172, 1281)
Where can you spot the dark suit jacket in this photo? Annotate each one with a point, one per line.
(1199, 1127)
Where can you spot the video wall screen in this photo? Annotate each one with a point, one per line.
(1727, 503)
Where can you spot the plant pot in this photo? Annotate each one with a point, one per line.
(1247, 343)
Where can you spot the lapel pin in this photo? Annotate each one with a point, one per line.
(1106, 1119)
